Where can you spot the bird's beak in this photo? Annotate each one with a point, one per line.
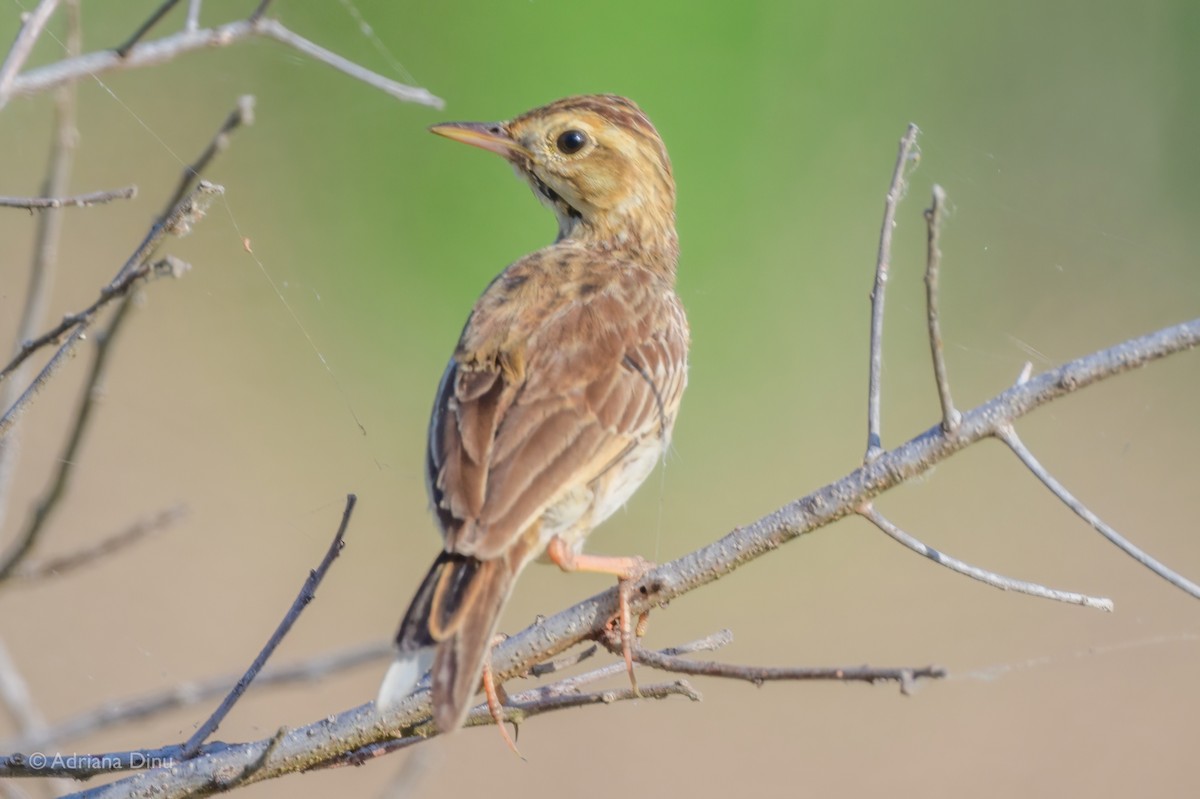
(491, 136)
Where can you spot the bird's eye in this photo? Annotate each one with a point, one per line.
(571, 142)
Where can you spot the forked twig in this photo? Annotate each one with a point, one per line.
(158, 51)
(24, 543)
(135, 269)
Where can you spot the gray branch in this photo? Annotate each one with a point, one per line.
(359, 728)
(158, 51)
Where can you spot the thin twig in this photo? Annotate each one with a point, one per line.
(982, 575)
(258, 12)
(761, 674)
(66, 463)
(258, 765)
(896, 190)
(307, 592)
(158, 51)
(16, 697)
(933, 260)
(193, 15)
(65, 564)
(178, 222)
(27, 36)
(709, 643)
(45, 259)
(564, 662)
(18, 701)
(77, 201)
(520, 707)
(135, 37)
(187, 694)
(241, 115)
(1008, 434)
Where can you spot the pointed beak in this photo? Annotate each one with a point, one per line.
(492, 136)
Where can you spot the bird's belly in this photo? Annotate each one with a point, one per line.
(577, 512)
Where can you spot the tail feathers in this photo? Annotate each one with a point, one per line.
(449, 625)
(458, 664)
(402, 677)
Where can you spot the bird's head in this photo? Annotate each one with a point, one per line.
(596, 161)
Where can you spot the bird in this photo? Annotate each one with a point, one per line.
(561, 394)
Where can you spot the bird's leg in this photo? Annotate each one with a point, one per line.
(496, 698)
(628, 570)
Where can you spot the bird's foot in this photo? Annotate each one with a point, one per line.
(628, 571)
(494, 692)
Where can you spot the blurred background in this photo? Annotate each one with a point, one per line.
(263, 387)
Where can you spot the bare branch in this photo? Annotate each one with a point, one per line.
(760, 674)
(178, 222)
(1008, 435)
(307, 592)
(144, 54)
(896, 189)
(66, 462)
(15, 696)
(976, 573)
(27, 36)
(145, 27)
(258, 12)
(317, 743)
(193, 15)
(186, 694)
(933, 259)
(707, 644)
(241, 115)
(138, 531)
(45, 258)
(564, 662)
(77, 201)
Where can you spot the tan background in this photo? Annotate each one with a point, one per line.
(1065, 137)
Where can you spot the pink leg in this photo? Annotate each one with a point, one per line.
(627, 570)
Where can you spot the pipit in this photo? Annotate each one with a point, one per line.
(562, 392)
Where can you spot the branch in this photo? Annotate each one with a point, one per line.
(186, 694)
(1008, 435)
(307, 592)
(982, 575)
(66, 462)
(882, 262)
(145, 27)
(933, 260)
(143, 54)
(328, 738)
(65, 564)
(27, 36)
(77, 201)
(761, 674)
(178, 222)
(48, 232)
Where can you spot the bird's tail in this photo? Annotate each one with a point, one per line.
(449, 625)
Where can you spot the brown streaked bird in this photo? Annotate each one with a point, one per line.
(563, 390)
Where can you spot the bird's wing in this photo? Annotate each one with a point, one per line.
(513, 431)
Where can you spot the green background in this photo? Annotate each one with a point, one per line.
(1065, 135)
